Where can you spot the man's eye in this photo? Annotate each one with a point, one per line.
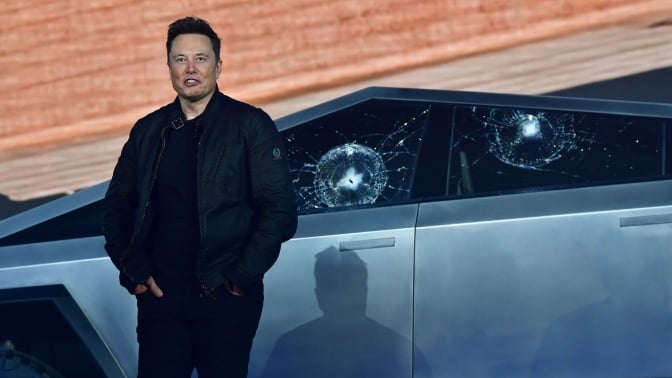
(200, 59)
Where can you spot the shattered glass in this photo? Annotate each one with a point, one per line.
(501, 149)
(358, 156)
(367, 153)
(529, 139)
(350, 174)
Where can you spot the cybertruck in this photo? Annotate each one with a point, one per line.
(440, 234)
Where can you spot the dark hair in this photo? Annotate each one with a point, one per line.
(192, 25)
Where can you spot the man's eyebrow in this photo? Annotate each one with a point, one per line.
(198, 53)
(176, 55)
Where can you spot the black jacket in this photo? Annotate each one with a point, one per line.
(246, 204)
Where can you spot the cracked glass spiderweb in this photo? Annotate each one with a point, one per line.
(357, 156)
(498, 149)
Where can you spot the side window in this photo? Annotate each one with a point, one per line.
(362, 155)
(498, 150)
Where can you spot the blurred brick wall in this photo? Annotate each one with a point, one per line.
(74, 70)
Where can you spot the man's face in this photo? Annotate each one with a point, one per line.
(194, 68)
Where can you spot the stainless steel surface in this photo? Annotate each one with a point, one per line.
(645, 220)
(492, 293)
(328, 311)
(93, 285)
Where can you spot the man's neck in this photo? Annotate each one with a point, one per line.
(193, 109)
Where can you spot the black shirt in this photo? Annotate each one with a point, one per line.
(175, 230)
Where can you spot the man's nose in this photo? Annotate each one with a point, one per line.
(191, 66)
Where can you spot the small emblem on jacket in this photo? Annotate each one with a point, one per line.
(277, 155)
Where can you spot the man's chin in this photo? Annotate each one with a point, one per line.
(193, 96)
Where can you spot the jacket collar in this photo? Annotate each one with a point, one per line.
(211, 112)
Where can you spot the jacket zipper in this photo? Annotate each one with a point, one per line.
(201, 216)
(199, 174)
(155, 170)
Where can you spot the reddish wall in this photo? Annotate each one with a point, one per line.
(92, 68)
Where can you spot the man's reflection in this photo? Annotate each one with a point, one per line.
(627, 334)
(344, 342)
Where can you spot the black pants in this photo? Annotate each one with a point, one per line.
(182, 331)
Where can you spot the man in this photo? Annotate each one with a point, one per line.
(198, 205)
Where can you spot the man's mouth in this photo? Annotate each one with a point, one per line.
(191, 82)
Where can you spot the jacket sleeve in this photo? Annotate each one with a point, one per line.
(273, 202)
(119, 210)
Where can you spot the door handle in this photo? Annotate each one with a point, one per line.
(646, 220)
(366, 244)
